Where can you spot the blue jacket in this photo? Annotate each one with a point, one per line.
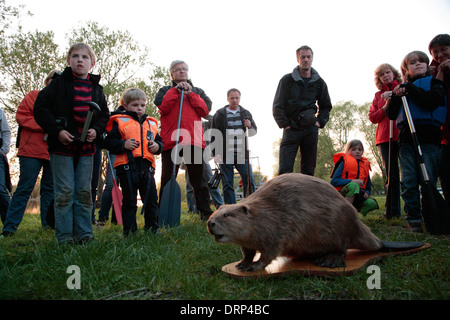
(420, 114)
(426, 100)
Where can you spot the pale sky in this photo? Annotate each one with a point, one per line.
(250, 44)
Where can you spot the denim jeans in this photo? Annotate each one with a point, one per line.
(29, 171)
(5, 198)
(412, 178)
(229, 196)
(73, 199)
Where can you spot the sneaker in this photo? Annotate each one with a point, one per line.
(6, 234)
(415, 227)
(100, 223)
(85, 240)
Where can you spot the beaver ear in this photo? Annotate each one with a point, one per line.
(245, 209)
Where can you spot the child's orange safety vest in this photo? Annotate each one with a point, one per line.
(129, 128)
(353, 169)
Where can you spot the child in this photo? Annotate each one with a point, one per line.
(351, 177)
(61, 111)
(426, 100)
(133, 138)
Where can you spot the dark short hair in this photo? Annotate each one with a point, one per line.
(440, 39)
(233, 90)
(304, 48)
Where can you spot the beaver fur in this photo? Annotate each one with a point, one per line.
(293, 215)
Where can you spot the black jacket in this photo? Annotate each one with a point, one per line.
(53, 108)
(220, 122)
(296, 99)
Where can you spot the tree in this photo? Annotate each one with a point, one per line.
(25, 61)
(6, 13)
(122, 62)
(368, 130)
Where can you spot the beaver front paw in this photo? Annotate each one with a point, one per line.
(250, 267)
(331, 260)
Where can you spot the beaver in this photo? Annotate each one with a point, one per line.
(293, 215)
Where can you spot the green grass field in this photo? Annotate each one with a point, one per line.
(185, 263)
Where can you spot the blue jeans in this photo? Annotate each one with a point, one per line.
(229, 196)
(411, 176)
(5, 198)
(73, 199)
(29, 171)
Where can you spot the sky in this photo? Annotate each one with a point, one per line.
(250, 44)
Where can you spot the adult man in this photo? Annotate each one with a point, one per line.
(439, 48)
(232, 121)
(196, 105)
(301, 106)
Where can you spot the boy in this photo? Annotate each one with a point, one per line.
(426, 100)
(61, 111)
(133, 138)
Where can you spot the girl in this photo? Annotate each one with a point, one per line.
(351, 177)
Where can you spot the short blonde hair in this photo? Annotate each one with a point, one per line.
(82, 45)
(380, 69)
(49, 76)
(132, 94)
(419, 55)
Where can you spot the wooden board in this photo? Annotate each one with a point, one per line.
(356, 259)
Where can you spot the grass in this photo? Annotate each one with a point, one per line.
(185, 263)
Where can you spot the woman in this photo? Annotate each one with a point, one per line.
(386, 79)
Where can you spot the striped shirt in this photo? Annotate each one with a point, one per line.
(235, 134)
(82, 93)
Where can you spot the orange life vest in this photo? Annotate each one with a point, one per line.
(353, 169)
(129, 128)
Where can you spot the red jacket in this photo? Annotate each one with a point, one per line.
(194, 108)
(377, 116)
(32, 142)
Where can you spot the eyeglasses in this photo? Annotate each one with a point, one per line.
(180, 69)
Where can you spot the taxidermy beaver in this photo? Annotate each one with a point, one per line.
(293, 215)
